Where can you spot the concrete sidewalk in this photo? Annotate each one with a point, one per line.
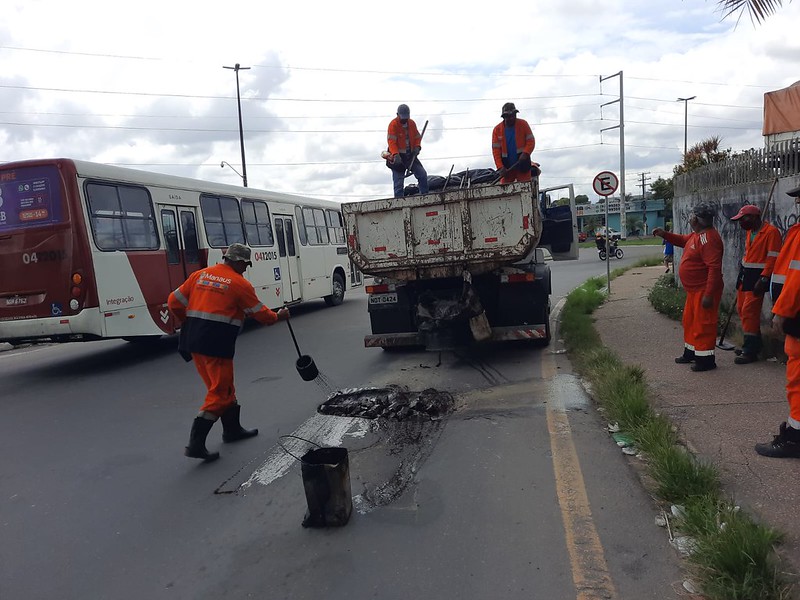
(721, 414)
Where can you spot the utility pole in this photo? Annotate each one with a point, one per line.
(685, 123)
(622, 224)
(237, 68)
(645, 179)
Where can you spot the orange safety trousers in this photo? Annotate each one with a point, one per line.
(516, 175)
(792, 348)
(700, 324)
(217, 374)
(748, 305)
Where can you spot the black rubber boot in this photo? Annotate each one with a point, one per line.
(704, 363)
(197, 440)
(232, 430)
(750, 349)
(784, 445)
(688, 357)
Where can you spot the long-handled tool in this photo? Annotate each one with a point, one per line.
(413, 158)
(305, 364)
(722, 344)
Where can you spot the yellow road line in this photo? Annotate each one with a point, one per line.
(587, 560)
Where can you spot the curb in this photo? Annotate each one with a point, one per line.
(4, 347)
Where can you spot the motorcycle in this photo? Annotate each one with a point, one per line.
(613, 249)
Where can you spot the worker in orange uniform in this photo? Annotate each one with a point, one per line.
(786, 320)
(512, 146)
(405, 144)
(212, 305)
(700, 273)
(761, 247)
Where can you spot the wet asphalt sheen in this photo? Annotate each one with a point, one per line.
(517, 492)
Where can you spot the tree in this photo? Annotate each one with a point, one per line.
(759, 9)
(561, 202)
(662, 189)
(702, 153)
(581, 199)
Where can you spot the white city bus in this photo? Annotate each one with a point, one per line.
(91, 251)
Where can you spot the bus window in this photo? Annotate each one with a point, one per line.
(335, 226)
(222, 220)
(321, 226)
(301, 225)
(121, 217)
(315, 227)
(189, 230)
(170, 228)
(280, 236)
(256, 223)
(290, 247)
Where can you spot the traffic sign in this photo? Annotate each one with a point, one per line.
(605, 183)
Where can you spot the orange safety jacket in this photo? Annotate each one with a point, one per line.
(701, 263)
(760, 255)
(214, 302)
(781, 268)
(398, 136)
(788, 303)
(524, 136)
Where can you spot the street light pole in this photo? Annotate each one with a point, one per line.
(238, 68)
(225, 163)
(685, 123)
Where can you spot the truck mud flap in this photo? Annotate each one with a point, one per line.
(392, 340)
(519, 332)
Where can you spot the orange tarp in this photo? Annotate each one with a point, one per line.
(782, 110)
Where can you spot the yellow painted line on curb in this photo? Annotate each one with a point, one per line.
(587, 560)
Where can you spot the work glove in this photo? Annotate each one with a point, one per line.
(416, 151)
(397, 161)
(760, 288)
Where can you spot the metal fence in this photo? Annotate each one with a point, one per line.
(753, 166)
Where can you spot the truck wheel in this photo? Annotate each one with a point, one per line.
(337, 297)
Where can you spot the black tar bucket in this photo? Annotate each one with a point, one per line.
(307, 368)
(326, 481)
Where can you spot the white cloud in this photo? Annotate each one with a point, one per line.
(144, 85)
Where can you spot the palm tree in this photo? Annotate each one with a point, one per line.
(759, 9)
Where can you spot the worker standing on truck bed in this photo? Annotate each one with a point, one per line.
(405, 143)
(512, 145)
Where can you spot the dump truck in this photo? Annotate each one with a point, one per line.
(462, 266)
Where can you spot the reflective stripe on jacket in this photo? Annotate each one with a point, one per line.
(760, 254)
(396, 136)
(213, 304)
(788, 302)
(525, 141)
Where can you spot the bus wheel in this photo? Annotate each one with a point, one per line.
(337, 297)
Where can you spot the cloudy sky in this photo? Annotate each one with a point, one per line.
(143, 85)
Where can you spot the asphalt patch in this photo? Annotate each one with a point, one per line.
(391, 402)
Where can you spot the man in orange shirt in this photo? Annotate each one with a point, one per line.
(405, 144)
(700, 273)
(512, 146)
(212, 305)
(786, 320)
(762, 245)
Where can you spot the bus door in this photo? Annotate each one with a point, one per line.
(289, 270)
(179, 224)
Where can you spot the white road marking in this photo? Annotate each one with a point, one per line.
(322, 429)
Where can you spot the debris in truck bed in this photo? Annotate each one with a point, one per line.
(391, 402)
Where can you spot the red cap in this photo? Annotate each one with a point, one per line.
(747, 209)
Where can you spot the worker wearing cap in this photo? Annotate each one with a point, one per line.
(405, 144)
(512, 146)
(786, 320)
(761, 247)
(212, 305)
(700, 273)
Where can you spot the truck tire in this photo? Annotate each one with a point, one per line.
(337, 297)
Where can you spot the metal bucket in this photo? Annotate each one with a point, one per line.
(307, 368)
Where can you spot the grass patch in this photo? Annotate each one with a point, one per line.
(734, 557)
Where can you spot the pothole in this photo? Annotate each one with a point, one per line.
(391, 402)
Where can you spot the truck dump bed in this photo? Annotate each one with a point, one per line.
(442, 233)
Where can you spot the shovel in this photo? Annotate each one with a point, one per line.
(305, 364)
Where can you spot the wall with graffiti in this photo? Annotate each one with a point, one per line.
(781, 212)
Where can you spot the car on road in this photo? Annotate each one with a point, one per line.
(601, 231)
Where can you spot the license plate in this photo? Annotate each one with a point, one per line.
(390, 298)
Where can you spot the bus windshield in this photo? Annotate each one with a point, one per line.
(30, 197)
